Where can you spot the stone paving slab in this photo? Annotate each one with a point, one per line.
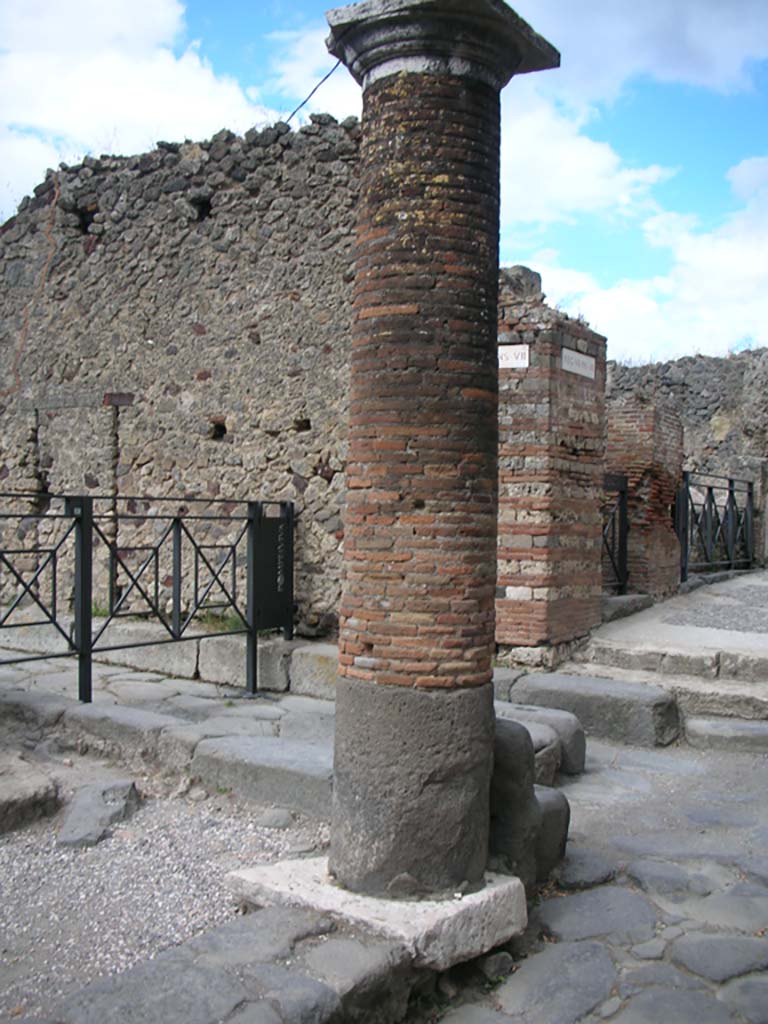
(287, 966)
(658, 1004)
(747, 996)
(559, 985)
(610, 910)
(720, 957)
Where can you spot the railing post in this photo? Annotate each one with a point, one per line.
(731, 524)
(287, 515)
(708, 511)
(176, 579)
(749, 521)
(252, 638)
(623, 535)
(81, 509)
(683, 516)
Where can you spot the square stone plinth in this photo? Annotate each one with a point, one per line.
(436, 933)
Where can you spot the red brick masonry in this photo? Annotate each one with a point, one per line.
(420, 541)
(645, 441)
(551, 423)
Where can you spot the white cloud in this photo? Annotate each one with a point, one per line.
(101, 77)
(714, 297)
(551, 171)
(82, 26)
(23, 159)
(605, 43)
(300, 62)
(749, 177)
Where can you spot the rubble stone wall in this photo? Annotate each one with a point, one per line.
(178, 322)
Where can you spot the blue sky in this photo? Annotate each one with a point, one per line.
(634, 179)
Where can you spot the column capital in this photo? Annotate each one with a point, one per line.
(480, 39)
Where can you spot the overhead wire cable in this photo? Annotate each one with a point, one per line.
(322, 81)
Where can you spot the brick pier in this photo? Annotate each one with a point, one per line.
(414, 724)
(552, 426)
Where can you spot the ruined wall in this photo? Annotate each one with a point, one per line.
(722, 404)
(724, 411)
(644, 440)
(178, 323)
(551, 441)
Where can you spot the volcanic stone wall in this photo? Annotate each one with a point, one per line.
(177, 323)
(645, 442)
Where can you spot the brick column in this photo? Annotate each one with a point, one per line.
(414, 715)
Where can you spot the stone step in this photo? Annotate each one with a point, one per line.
(293, 773)
(728, 698)
(628, 712)
(666, 661)
(727, 734)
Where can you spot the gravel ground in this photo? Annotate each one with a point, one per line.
(68, 916)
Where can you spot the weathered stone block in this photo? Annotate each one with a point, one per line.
(553, 833)
(126, 732)
(727, 734)
(314, 670)
(94, 809)
(27, 793)
(516, 815)
(636, 713)
(573, 744)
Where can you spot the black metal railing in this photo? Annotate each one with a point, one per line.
(615, 529)
(182, 565)
(714, 520)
